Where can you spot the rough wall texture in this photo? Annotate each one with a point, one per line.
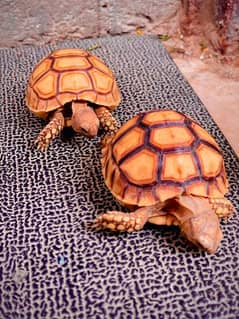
(43, 21)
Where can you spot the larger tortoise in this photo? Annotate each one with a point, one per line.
(72, 87)
(169, 171)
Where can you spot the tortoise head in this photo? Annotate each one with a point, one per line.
(84, 119)
(203, 232)
(198, 222)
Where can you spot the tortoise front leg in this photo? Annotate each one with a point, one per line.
(222, 207)
(119, 221)
(108, 122)
(50, 131)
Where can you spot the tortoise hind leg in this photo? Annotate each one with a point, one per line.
(50, 131)
(197, 221)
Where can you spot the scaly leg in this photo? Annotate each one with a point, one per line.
(51, 130)
(222, 207)
(108, 122)
(119, 221)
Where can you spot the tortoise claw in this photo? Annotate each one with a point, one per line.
(41, 144)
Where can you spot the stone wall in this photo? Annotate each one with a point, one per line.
(43, 21)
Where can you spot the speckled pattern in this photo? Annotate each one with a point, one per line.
(52, 264)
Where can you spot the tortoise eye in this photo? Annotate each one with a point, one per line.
(84, 130)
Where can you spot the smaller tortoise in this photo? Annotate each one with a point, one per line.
(169, 171)
(71, 87)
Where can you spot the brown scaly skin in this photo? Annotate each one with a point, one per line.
(108, 122)
(222, 207)
(84, 120)
(197, 218)
(51, 130)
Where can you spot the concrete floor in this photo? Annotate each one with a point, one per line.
(218, 88)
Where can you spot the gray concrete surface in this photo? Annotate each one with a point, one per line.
(43, 21)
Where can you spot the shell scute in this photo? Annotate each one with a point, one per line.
(210, 159)
(128, 142)
(179, 167)
(141, 168)
(41, 69)
(171, 137)
(69, 52)
(155, 117)
(102, 82)
(99, 65)
(71, 63)
(46, 86)
(74, 81)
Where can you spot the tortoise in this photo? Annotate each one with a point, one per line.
(167, 170)
(72, 88)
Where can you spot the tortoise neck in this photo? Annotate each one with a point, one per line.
(78, 106)
(84, 119)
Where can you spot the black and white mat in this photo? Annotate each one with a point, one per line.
(52, 265)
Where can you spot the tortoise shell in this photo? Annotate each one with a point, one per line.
(70, 74)
(161, 154)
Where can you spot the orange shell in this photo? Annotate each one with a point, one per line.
(161, 154)
(70, 74)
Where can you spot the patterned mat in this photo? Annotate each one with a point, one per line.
(52, 265)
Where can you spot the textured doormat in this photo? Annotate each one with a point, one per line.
(52, 265)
